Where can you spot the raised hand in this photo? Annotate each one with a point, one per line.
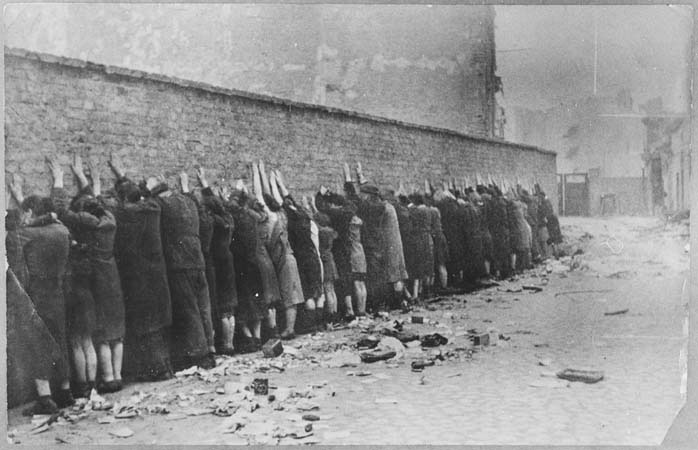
(78, 171)
(95, 175)
(16, 188)
(184, 181)
(360, 174)
(202, 177)
(116, 166)
(56, 172)
(347, 173)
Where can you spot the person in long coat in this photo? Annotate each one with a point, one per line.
(192, 327)
(421, 256)
(440, 245)
(224, 297)
(256, 278)
(33, 348)
(474, 266)
(279, 248)
(141, 264)
(498, 224)
(306, 254)
(371, 209)
(453, 221)
(520, 232)
(95, 275)
(348, 251)
(532, 218)
(38, 251)
(484, 205)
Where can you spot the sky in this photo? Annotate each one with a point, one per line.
(545, 54)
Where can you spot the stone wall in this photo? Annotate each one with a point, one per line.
(163, 125)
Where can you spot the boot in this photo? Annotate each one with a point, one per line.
(320, 320)
(64, 398)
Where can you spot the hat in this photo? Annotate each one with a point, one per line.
(369, 189)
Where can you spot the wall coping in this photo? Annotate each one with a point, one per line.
(189, 84)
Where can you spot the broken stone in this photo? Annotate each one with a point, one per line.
(585, 376)
(371, 357)
(272, 348)
(343, 359)
(481, 339)
(311, 418)
(616, 313)
(123, 432)
(545, 362)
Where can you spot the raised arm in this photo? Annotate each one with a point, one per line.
(184, 182)
(16, 188)
(56, 172)
(275, 188)
(263, 178)
(116, 167)
(95, 174)
(79, 173)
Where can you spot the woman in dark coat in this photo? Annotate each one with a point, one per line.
(224, 297)
(141, 264)
(485, 209)
(36, 338)
(306, 254)
(474, 265)
(255, 274)
(95, 276)
(455, 230)
(38, 250)
(348, 251)
(192, 327)
(440, 245)
(420, 264)
(498, 224)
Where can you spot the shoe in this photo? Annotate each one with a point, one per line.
(207, 362)
(228, 351)
(257, 344)
(274, 333)
(64, 398)
(288, 335)
(43, 405)
(83, 390)
(349, 318)
(108, 387)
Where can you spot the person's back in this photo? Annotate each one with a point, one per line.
(46, 250)
(180, 232)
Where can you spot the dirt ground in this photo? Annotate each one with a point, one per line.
(619, 306)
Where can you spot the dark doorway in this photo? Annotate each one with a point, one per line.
(574, 194)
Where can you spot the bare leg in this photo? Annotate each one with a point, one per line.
(290, 330)
(271, 318)
(348, 305)
(246, 330)
(331, 296)
(43, 388)
(257, 329)
(415, 289)
(513, 262)
(443, 276)
(310, 314)
(487, 269)
(79, 360)
(228, 331)
(105, 361)
(361, 297)
(90, 359)
(117, 355)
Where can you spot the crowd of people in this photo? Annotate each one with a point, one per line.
(146, 279)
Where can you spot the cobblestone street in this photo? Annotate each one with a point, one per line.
(503, 394)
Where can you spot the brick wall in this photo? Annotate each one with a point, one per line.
(163, 125)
